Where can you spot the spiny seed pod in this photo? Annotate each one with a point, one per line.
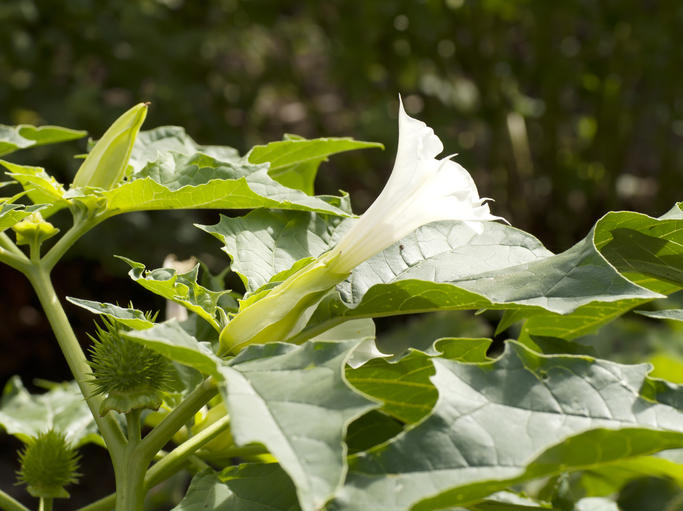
(130, 375)
(48, 464)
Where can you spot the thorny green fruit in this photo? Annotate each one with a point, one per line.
(131, 376)
(48, 464)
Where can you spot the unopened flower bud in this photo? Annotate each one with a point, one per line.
(34, 229)
(105, 165)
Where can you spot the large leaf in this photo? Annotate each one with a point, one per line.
(181, 288)
(265, 242)
(199, 181)
(13, 138)
(520, 417)
(62, 408)
(294, 400)
(294, 161)
(648, 251)
(441, 266)
(172, 341)
(248, 487)
(446, 266)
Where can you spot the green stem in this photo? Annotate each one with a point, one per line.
(104, 504)
(176, 459)
(39, 277)
(18, 263)
(169, 464)
(7, 243)
(130, 477)
(11, 255)
(176, 419)
(82, 224)
(9, 503)
(45, 504)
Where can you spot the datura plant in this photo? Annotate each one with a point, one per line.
(279, 395)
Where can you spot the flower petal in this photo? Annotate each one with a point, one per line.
(420, 190)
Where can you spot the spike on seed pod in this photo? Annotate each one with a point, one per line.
(130, 375)
(48, 464)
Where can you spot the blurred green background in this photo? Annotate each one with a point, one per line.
(561, 111)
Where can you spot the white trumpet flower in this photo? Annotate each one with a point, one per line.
(420, 190)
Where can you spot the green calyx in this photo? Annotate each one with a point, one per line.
(105, 165)
(48, 464)
(33, 230)
(282, 312)
(131, 376)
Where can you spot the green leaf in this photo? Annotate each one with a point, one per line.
(199, 181)
(520, 417)
(294, 161)
(62, 409)
(404, 387)
(11, 214)
(610, 478)
(181, 288)
(130, 317)
(648, 251)
(674, 314)
(42, 188)
(265, 242)
(294, 400)
(445, 265)
(247, 487)
(13, 138)
(150, 145)
(173, 342)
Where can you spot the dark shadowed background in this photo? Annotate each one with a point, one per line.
(561, 111)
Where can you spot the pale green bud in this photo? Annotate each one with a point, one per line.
(106, 164)
(284, 311)
(34, 229)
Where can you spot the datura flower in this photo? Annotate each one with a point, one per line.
(420, 190)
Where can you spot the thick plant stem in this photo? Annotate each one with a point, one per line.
(45, 505)
(130, 476)
(9, 503)
(75, 358)
(169, 464)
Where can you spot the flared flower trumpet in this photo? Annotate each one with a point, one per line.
(421, 189)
